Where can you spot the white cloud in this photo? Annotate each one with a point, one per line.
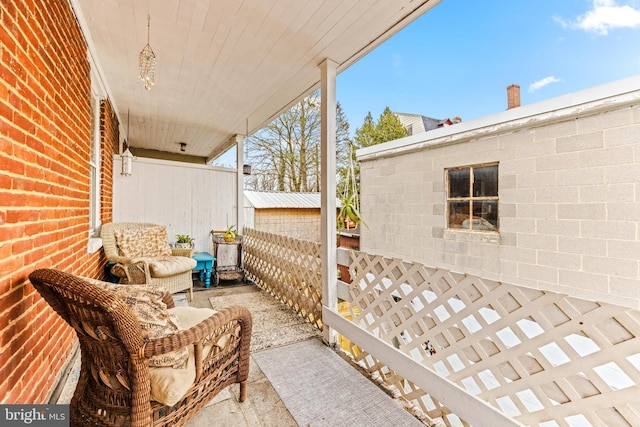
(542, 83)
(606, 15)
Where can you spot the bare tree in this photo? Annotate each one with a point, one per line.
(285, 154)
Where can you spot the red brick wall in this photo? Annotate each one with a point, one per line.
(44, 186)
(109, 145)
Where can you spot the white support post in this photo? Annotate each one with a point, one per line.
(239, 166)
(328, 193)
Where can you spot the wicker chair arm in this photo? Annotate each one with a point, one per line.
(139, 260)
(202, 331)
(136, 270)
(182, 252)
(120, 259)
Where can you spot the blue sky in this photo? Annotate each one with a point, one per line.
(458, 58)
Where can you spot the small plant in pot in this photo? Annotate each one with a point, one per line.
(230, 234)
(184, 241)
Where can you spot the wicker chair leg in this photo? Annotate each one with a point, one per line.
(243, 391)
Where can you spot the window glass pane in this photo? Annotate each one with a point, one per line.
(485, 181)
(92, 147)
(94, 163)
(459, 182)
(485, 215)
(458, 213)
(93, 214)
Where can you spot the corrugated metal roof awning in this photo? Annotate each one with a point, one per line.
(281, 199)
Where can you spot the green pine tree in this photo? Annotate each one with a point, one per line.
(389, 127)
(366, 134)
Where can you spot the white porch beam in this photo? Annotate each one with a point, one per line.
(328, 192)
(239, 140)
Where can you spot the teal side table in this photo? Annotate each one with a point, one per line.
(205, 266)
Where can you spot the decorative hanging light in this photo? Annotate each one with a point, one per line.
(147, 61)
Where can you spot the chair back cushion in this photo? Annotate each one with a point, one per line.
(107, 233)
(155, 319)
(142, 242)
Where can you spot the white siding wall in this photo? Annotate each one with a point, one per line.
(186, 198)
(569, 188)
(249, 216)
(417, 125)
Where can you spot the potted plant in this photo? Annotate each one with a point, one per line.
(230, 233)
(349, 214)
(184, 241)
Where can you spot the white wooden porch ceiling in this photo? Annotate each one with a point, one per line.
(225, 67)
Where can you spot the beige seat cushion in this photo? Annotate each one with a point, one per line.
(167, 266)
(169, 385)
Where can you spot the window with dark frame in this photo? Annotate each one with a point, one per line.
(94, 167)
(472, 198)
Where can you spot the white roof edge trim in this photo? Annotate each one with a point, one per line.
(597, 98)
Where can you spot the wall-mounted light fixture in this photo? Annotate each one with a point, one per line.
(127, 162)
(126, 156)
(246, 169)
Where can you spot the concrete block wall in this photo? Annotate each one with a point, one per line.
(569, 189)
(44, 186)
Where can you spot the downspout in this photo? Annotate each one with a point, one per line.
(328, 194)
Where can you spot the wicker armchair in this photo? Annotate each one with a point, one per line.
(171, 268)
(116, 384)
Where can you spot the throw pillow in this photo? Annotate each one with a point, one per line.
(155, 241)
(155, 319)
(162, 242)
(129, 242)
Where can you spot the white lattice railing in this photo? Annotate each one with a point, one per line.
(288, 268)
(468, 351)
(541, 358)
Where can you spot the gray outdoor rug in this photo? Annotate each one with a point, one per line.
(274, 324)
(320, 389)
